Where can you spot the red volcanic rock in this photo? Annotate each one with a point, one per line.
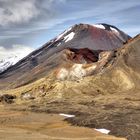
(78, 70)
(85, 54)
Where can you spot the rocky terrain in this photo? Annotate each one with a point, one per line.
(90, 71)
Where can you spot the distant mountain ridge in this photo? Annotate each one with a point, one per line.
(5, 63)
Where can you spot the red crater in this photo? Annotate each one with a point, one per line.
(85, 55)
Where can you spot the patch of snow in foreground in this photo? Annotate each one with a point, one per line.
(67, 115)
(69, 37)
(102, 130)
(99, 26)
(113, 29)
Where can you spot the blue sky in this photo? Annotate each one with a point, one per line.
(31, 23)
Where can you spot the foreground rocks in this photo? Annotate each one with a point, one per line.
(6, 98)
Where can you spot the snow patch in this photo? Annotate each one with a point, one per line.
(99, 26)
(102, 130)
(67, 115)
(69, 37)
(62, 34)
(58, 44)
(113, 29)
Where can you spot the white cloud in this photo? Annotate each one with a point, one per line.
(23, 11)
(17, 11)
(16, 50)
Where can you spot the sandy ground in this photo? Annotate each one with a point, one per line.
(18, 125)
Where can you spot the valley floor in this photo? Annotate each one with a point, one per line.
(25, 125)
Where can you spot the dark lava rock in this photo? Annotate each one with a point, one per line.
(7, 98)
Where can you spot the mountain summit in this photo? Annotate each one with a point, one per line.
(76, 48)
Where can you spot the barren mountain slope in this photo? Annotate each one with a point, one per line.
(80, 44)
(86, 71)
(109, 99)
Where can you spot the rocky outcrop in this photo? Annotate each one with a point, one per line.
(86, 63)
